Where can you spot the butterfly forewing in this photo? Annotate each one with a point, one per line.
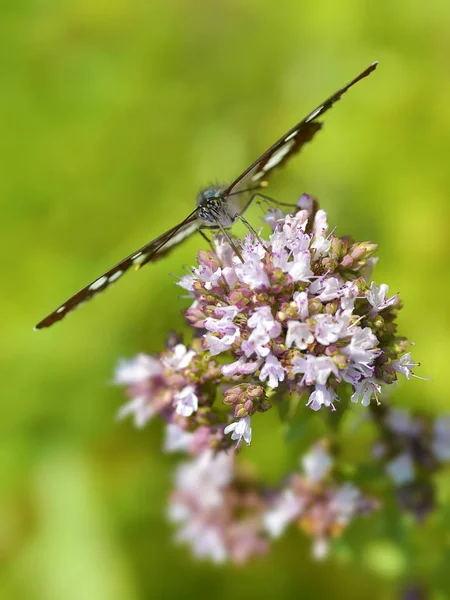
(291, 142)
(152, 251)
(280, 152)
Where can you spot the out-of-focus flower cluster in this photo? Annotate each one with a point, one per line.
(224, 514)
(288, 316)
(412, 448)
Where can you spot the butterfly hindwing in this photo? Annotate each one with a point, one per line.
(152, 251)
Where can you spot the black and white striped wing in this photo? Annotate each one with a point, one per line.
(151, 252)
(291, 142)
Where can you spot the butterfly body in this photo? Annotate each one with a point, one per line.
(215, 208)
(218, 207)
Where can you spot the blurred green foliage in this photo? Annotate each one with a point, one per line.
(114, 114)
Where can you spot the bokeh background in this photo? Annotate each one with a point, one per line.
(114, 113)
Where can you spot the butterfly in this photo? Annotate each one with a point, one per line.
(218, 207)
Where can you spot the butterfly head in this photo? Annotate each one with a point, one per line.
(212, 207)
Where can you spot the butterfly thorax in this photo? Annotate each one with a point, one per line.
(214, 207)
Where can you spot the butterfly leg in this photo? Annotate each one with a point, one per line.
(205, 237)
(224, 232)
(252, 230)
(269, 200)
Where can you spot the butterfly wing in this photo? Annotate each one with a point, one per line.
(151, 252)
(291, 142)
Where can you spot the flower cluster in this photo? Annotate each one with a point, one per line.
(295, 313)
(218, 515)
(223, 514)
(289, 315)
(321, 507)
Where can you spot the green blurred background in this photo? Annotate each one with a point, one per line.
(114, 114)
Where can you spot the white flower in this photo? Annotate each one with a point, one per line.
(326, 288)
(240, 367)
(377, 296)
(206, 540)
(141, 409)
(205, 476)
(316, 369)
(349, 293)
(273, 370)
(317, 463)
(294, 229)
(265, 327)
(405, 366)
(216, 345)
(137, 370)
(322, 396)
(263, 319)
(208, 276)
(224, 251)
(301, 300)
(300, 268)
(329, 329)
(177, 439)
(352, 375)
(240, 430)
(321, 245)
(363, 347)
(187, 282)
(180, 359)
(320, 225)
(401, 469)
(287, 508)
(364, 390)
(256, 344)
(187, 401)
(251, 271)
(298, 333)
(224, 327)
(272, 217)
